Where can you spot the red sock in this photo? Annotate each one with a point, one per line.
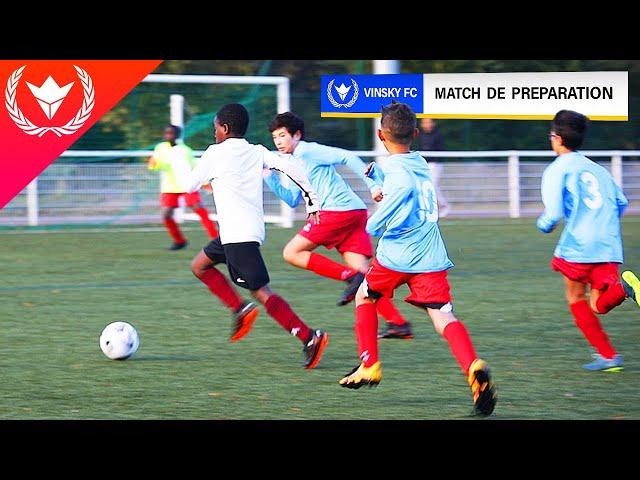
(206, 222)
(328, 268)
(366, 328)
(280, 310)
(221, 288)
(611, 298)
(389, 311)
(174, 230)
(590, 326)
(460, 344)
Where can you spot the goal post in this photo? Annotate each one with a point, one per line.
(285, 216)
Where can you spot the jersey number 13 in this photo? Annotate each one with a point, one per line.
(428, 201)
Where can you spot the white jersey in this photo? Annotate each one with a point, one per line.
(234, 168)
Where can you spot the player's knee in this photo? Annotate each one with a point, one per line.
(291, 255)
(593, 303)
(441, 315)
(443, 321)
(287, 254)
(573, 297)
(262, 294)
(197, 268)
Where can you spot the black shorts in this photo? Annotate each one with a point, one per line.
(244, 261)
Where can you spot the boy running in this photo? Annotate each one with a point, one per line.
(343, 216)
(411, 250)
(234, 168)
(590, 247)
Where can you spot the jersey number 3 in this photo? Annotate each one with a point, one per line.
(592, 197)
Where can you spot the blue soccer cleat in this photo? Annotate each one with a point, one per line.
(631, 285)
(615, 364)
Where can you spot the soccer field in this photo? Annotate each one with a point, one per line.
(59, 288)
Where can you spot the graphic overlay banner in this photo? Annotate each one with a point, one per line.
(501, 96)
(49, 104)
(362, 96)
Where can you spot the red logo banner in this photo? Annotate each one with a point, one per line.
(49, 104)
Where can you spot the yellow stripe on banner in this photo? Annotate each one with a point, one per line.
(480, 116)
(475, 116)
(349, 115)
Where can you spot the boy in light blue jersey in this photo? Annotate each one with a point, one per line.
(590, 247)
(343, 215)
(411, 250)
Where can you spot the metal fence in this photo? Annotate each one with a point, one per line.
(477, 184)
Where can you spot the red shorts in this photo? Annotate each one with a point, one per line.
(346, 231)
(171, 199)
(426, 288)
(598, 275)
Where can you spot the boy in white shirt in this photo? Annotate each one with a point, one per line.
(234, 168)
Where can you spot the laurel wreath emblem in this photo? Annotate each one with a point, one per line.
(67, 129)
(345, 105)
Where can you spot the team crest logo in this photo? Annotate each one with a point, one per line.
(342, 92)
(50, 97)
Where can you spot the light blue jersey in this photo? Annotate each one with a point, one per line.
(591, 203)
(407, 217)
(319, 162)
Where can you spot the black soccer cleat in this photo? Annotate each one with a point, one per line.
(392, 330)
(314, 348)
(484, 392)
(353, 283)
(178, 246)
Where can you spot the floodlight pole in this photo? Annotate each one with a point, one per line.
(176, 117)
(382, 67)
(176, 112)
(287, 213)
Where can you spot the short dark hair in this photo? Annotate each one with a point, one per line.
(400, 122)
(288, 120)
(177, 131)
(236, 117)
(571, 126)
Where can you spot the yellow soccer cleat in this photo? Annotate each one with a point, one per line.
(631, 285)
(362, 375)
(484, 392)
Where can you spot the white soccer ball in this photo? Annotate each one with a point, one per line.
(119, 340)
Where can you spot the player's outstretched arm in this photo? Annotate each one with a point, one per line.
(275, 162)
(203, 173)
(291, 196)
(397, 193)
(355, 164)
(374, 173)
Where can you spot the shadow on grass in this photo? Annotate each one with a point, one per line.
(166, 358)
